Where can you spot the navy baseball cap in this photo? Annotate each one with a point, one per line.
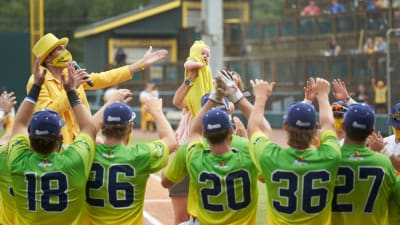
(216, 120)
(339, 108)
(118, 113)
(394, 116)
(301, 115)
(360, 117)
(224, 106)
(45, 122)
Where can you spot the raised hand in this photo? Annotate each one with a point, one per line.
(322, 86)
(38, 76)
(375, 142)
(219, 91)
(233, 92)
(339, 90)
(151, 57)
(240, 129)
(309, 89)
(262, 88)
(121, 95)
(153, 106)
(73, 80)
(7, 101)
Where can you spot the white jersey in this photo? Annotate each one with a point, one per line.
(391, 145)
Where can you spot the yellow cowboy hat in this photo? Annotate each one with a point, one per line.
(46, 45)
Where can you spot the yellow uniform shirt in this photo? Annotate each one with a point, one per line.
(52, 96)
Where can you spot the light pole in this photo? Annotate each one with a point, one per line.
(388, 69)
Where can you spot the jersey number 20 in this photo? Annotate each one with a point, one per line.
(231, 181)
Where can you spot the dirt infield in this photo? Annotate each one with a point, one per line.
(157, 205)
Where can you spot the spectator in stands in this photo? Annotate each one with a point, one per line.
(334, 47)
(380, 44)
(380, 90)
(120, 57)
(370, 5)
(369, 46)
(146, 119)
(361, 95)
(336, 7)
(311, 9)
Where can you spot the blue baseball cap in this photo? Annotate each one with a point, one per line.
(216, 120)
(394, 117)
(360, 117)
(224, 106)
(301, 115)
(44, 123)
(118, 113)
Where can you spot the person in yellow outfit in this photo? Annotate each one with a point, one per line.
(380, 90)
(198, 81)
(53, 58)
(147, 122)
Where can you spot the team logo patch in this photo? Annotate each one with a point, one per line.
(356, 156)
(45, 163)
(221, 165)
(300, 161)
(108, 155)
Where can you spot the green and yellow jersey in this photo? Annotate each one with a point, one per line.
(50, 189)
(222, 188)
(117, 182)
(299, 183)
(365, 181)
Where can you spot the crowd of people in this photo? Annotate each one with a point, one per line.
(62, 165)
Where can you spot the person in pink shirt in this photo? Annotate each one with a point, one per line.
(311, 9)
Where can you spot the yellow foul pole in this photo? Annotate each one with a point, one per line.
(36, 23)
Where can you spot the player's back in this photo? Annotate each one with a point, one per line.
(117, 182)
(299, 183)
(224, 186)
(364, 184)
(50, 188)
(7, 202)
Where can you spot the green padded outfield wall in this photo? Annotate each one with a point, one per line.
(15, 62)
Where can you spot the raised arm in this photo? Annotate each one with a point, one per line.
(309, 91)
(179, 97)
(82, 114)
(262, 90)
(25, 111)
(340, 92)
(148, 59)
(322, 88)
(164, 129)
(216, 96)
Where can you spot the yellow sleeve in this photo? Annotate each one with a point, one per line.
(50, 97)
(109, 78)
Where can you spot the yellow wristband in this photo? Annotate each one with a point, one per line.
(140, 64)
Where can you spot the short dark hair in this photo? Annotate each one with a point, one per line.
(116, 130)
(44, 144)
(357, 134)
(217, 137)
